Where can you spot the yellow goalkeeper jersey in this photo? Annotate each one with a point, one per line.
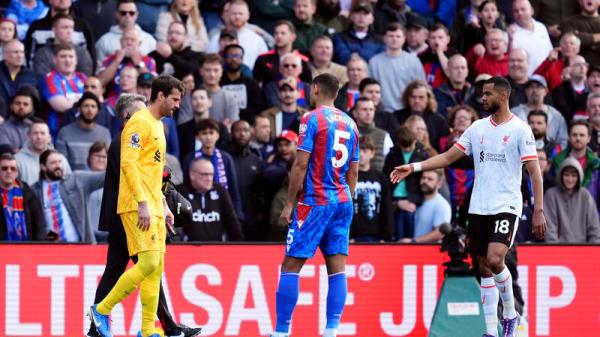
(143, 148)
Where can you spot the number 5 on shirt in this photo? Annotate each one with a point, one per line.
(340, 148)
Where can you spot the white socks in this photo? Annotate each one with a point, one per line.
(330, 333)
(504, 283)
(489, 299)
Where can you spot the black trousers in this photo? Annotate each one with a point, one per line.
(117, 258)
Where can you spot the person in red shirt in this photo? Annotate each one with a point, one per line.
(552, 68)
(491, 59)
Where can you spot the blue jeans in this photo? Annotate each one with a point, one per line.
(405, 224)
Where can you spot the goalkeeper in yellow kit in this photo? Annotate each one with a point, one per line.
(142, 206)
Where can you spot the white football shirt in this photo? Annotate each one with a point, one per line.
(499, 151)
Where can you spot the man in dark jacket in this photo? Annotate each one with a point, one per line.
(457, 90)
(13, 74)
(175, 57)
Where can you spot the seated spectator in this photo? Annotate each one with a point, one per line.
(23, 13)
(63, 26)
(214, 217)
(456, 91)
(194, 31)
(306, 28)
(74, 140)
(13, 73)
(491, 59)
(579, 138)
(22, 108)
(443, 11)
(477, 20)
(276, 169)
(569, 96)
(518, 63)
(349, 92)
(373, 219)
(586, 25)
(364, 115)
(593, 110)
(433, 212)
(417, 124)
(538, 122)
(529, 34)
(28, 159)
(552, 68)
(62, 86)
(286, 115)
(418, 100)
(371, 89)
(322, 53)
(435, 57)
(22, 218)
(224, 108)
(174, 56)
(126, 15)
(406, 195)
(127, 82)
(359, 38)
(261, 137)
(97, 161)
(395, 68)
(417, 31)
(570, 209)
(64, 199)
(536, 90)
(329, 15)
(244, 89)
(390, 11)
(8, 32)
(290, 65)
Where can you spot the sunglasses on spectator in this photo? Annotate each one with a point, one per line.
(130, 13)
(8, 168)
(290, 65)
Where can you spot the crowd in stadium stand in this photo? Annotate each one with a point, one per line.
(410, 73)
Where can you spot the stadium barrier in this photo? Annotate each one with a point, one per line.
(229, 290)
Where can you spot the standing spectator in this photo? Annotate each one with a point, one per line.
(552, 68)
(23, 13)
(224, 108)
(306, 28)
(395, 68)
(529, 34)
(571, 211)
(586, 25)
(371, 89)
(443, 11)
(390, 11)
(518, 64)
(552, 13)
(64, 199)
(290, 66)
(28, 159)
(569, 96)
(74, 140)
(433, 212)
(364, 115)
(322, 53)
(261, 138)
(373, 219)
(593, 110)
(22, 218)
(126, 15)
(491, 59)
(349, 92)
(457, 90)
(286, 115)
(417, 31)
(359, 38)
(22, 107)
(174, 56)
(329, 15)
(579, 138)
(482, 18)
(538, 122)
(213, 217)
(63, 26)
(8, 32)
(194, 31)
(13, 73)
(435, 58)
(244, 89)
(91, 10)
(62, 86)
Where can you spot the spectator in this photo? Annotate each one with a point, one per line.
(552, 68)
(538, 122)
(406, 195)
(491, 59)
(194, 31)
(306, 28)
(149, 11)
(261, 138)
(322, 53)
(63, 26)
(97, 161)
(364, 115)
(290, 65)
(418, 99)
(22, 107)
(373, 219)
(266, 68)
(579, 138)
(474, 23)
(97, 158)
(359, 38)
(22, 218)
(569, 96)
(593, 78)
(593, 110)
(571, 211)
(276, 169)
(63, 85)
(536, 90)
(548, 179)
(586, 26)
(417, 31)
(371, 89)
(249, 170)
(91, 10)
(23, 13)
(529, 34)
(433, 212)
(278, 231)
(443, 11)
(329, 15)
(435, 58)
(286, 115)
(173, 55)
(417, 124)
(127, 82)
(74, 140)
(8, 32)
(13, 73)
(64, 199)
(456, 91)
(349, 92)
(390, 11)
(108, 44)
(213, 217)
(395, 68)
(28, 159)
(41, 30)
(224, 106)
(552, 13)
(244, 89)
(517, 76)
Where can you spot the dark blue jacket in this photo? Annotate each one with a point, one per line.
(8, 87)
(346, 43)
(446, 99)
(444, 11)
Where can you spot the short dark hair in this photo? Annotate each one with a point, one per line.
(119, 2)
(367, 81)
(62, 46)
(211, 58)
(207, 124)
(231, 46)
(580, 122)
(366, 143)
(60, 16)
(319, 38)
(328, 84)
(7, 156)
(395, 26)
(440, 26)
(538, 113)
(165, 84)
(98, 146)
(27, 91)
(362, 99)
(44, 156)
(500, 84)
(286, 23)
(405, 135)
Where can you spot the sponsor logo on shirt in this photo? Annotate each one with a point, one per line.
(157, 156)
(492, 157)
(303, 128)
(199, 216)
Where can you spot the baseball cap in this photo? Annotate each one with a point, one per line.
(232, 33)
(415, 20)
(145, 79)
(289, 81)
(362, 6)
(288, 135)
(537, 78)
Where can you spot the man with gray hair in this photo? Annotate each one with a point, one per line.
(593, 110)
(290, 65)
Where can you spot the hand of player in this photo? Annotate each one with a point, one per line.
(170, 221)
(400, 172)
(539, 224)
(286, 215)
(143, 216)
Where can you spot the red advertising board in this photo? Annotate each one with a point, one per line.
(230, 290)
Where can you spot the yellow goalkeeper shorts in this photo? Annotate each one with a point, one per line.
(140, 241)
